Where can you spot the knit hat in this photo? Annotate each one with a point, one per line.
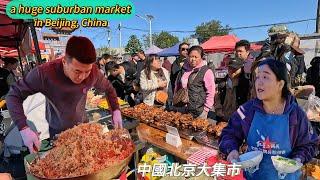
(82, 49)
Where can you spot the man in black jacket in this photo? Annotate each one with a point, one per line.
(313, 74)
(140, 63)
(178, 63)
(122, 77)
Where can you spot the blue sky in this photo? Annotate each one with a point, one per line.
(186, 15)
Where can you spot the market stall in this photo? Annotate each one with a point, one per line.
(187, 139)
(153, 50)
(224, 43)
(171, 51)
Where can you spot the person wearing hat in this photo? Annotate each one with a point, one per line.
(64, 83)
(298, 55)
(230, 101)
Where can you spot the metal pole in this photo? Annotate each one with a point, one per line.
(35, 42)
(150, 33)
(120, 45)
(148, 18)
(20, 60)
(318, 20)
(109, 38)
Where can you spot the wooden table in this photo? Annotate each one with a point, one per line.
(157, 138)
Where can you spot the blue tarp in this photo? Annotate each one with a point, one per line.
(171, 51)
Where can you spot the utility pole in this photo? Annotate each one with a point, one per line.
(150, 32)
(318, 20)
(120, 45)
(149, 19)
(109, 38)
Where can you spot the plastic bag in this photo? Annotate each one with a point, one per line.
(313, 110)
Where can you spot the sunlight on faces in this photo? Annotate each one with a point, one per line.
(267, 85)
(76, 71)
(195, 58)
(184, 50)
(242, 53)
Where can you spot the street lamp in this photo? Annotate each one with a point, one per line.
(148, 18)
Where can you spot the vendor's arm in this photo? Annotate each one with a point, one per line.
(147, 85)
(232, 136)
(25, 87)
(210, 90)
(103, 84)
(306, 142)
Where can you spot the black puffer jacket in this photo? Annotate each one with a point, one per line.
(313, 74)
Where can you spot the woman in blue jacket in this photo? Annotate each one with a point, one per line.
(272, 123)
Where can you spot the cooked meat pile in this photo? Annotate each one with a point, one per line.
(83, 150)
(161, 118)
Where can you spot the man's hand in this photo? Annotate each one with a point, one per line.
(233, 156)
(30, 139)
(116, 119)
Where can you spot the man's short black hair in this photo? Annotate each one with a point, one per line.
(244, 43)
(82, 49)
(184, 43)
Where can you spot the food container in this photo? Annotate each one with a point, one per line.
(285, 166)
(250, 161)
(97, 114)
(313, 110)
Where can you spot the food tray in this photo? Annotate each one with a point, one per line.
(188, 134)
(107, 173)
(103, 114)
(112, 171)
(206, 139)
(128, 117)
(185, 134)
